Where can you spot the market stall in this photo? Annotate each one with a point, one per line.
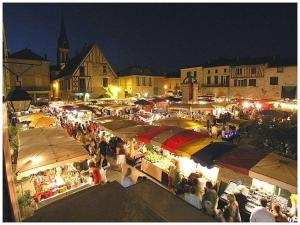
(118, 124)
(207, 108)
(207, 155)
(43, 122)
(166, 147)
(276, 170)
(32, 117)
(48, 165)
(179, 122)
(261, 174)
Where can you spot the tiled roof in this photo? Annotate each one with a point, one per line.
(73, 64)
(270, 60)
(26, 54)
(139, 70)
(172, 75)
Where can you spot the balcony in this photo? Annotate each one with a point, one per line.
(215, 85)
(37, 88)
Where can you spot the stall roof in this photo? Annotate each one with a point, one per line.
(276, 170)
(132, 132)
(191, 107)
(45, 148)
(143, 102)
(32, 117)
(115, 125)
(45, 121)
(194, 146)
(179, 122)
(241, 159)
(181, 138)
(223, 104)
(107, 119)
(103, 203)
(167, 205)
(142, 202)
(149, 134)
(207, 155)
(160, 138)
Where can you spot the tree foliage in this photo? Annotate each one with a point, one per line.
(277, 130)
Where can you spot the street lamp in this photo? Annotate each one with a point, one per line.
(19, 99)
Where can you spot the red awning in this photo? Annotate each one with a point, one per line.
(148, 135)
(241, 160)
(181, 138)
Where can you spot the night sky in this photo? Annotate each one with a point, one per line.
(164, 36)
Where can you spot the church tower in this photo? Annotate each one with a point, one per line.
(63, 50)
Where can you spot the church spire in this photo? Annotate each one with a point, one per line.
(63, 49)
(62, 39)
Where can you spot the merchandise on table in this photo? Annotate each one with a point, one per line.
(254, 194)
(49, 183)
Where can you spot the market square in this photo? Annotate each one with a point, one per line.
(98, 128)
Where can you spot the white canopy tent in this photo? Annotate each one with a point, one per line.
(277, 170)
(46, 148)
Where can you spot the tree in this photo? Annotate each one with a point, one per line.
(277, 130)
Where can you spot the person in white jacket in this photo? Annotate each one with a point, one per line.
(262, 214)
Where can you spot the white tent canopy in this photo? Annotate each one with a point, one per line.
(46, 148)
(277, 170)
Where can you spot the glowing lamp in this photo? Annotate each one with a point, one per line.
(258, 105)
(246, 104)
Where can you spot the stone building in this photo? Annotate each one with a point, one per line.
(88, 75)
(30, 71)
(143, 81)
(258, 78)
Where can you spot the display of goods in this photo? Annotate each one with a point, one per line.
(37, 197)
(62, 189)
(152, 157)
(46, 194)
(164, 164)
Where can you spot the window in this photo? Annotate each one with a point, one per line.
(82, 87)
(225, 70)
(273, 80)
(252, 82)
(104, 69)
(242, 83)
(81, 72)
(105, 82)
(144, 81)
(239, 71)
(216, 79)
(222, 80)
(208, 71)
(253, 70)
(226, 80)
(279, 69)
(208, 80)
(137, 81)
(235, 82)
(195, 73)
(216, 71)
(188, 74)
(150, 81)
